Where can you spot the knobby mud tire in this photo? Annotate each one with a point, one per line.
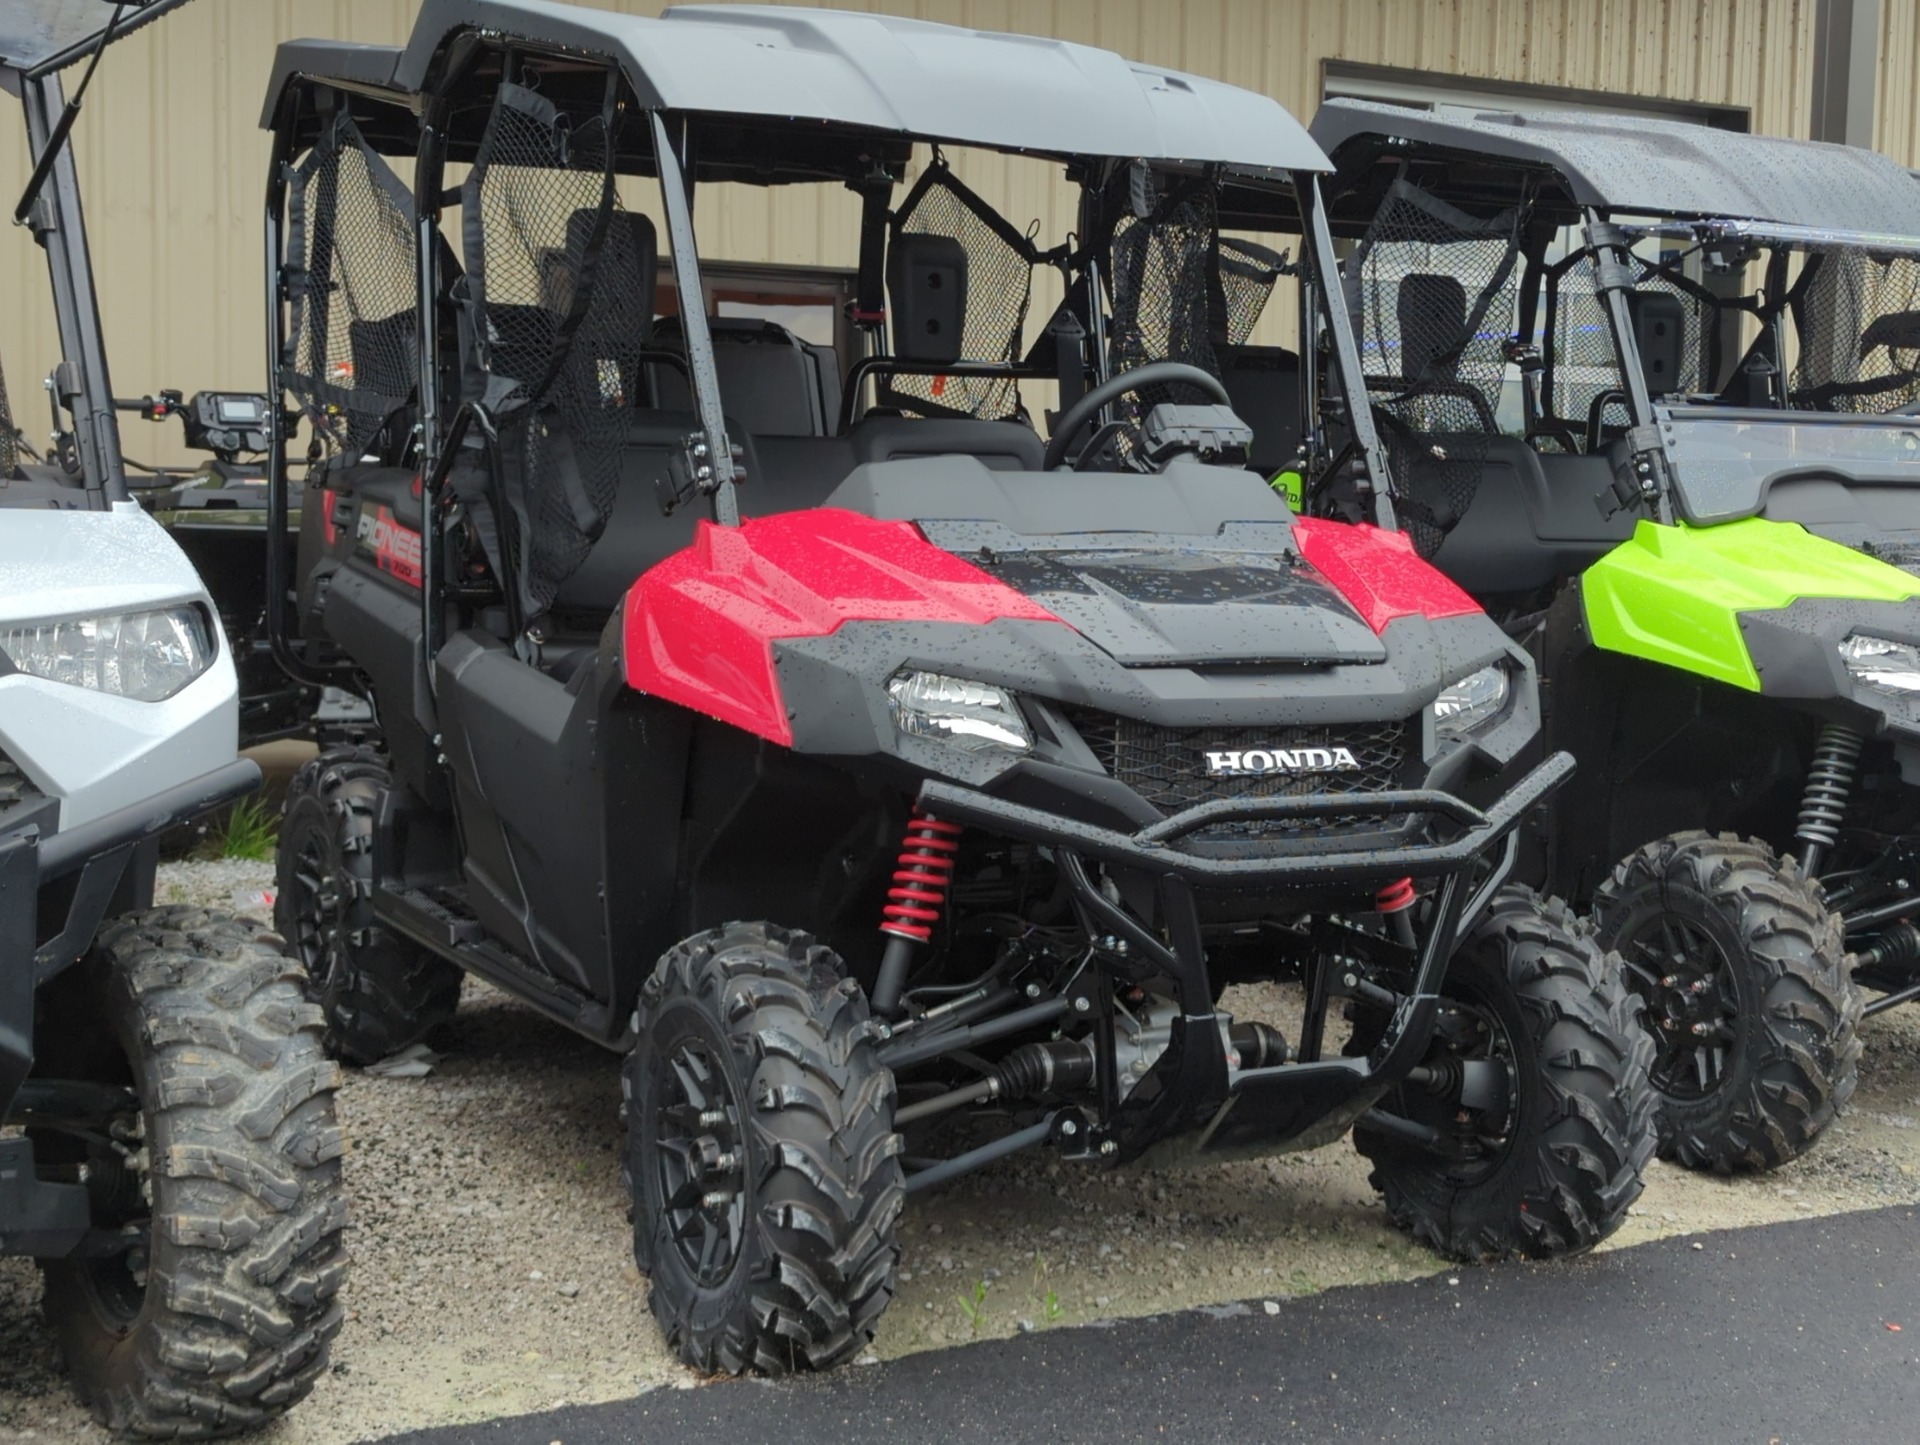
(380, 992)
(1796, 1058)
(240, 1149)
(822, 1189)
(1582, 1125)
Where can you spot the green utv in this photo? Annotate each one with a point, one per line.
(1652, 391)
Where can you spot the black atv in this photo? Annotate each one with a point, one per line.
(898, 790)
(168, 1146)
(1649, 389)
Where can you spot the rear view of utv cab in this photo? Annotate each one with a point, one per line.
(1654, 386)
(168, 1147)
(897, 789)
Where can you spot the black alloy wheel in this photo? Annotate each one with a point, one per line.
(761, 1159)
(699, 1155)
(1693, 1003)
(1527, 1130)
(1744, 971)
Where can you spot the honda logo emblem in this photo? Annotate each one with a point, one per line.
(1259, 762)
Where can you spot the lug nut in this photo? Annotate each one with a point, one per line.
(1082, 1004)
(711, 1117)
(1068, 1128)
(1108, 1147)
(1701, 1030)
(717, 1199)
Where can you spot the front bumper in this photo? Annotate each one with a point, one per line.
(38, 1217)
(1192, 1102)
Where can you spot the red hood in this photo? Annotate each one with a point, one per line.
(699, 627)
(1379, 572)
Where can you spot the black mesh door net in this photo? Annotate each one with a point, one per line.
(556, 318)
(1431, 291)
(353, 353)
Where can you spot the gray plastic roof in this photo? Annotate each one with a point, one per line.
(44, 35)
(1640, 164)
(368, 65)
(885, 73)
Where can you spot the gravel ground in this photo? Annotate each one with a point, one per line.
(493, 1273)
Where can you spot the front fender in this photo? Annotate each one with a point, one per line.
(1676, 595)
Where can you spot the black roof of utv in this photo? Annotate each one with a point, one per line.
(1642, 165)
(874, 72)
(40, 36)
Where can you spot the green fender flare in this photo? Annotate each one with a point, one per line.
(1674, 594)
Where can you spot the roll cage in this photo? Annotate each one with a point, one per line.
(1654, 272)
(633, 93)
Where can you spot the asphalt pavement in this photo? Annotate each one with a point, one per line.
(1779, 1335)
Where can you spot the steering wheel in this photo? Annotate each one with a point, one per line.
(1154, 373)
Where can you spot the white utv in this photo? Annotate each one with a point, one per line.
(168, 1145)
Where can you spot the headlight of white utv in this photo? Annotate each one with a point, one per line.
(1463, 705)
(1884, 666)
(146, 656)
(974, 715)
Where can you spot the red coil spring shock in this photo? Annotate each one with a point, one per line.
(1395, 902)
(922, 874)
(1395, 897)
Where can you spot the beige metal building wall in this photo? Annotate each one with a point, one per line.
(171, 159)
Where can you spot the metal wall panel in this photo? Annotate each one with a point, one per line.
(172, 160)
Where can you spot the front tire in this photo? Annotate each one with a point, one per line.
(1754, 1013)
(1550, 1165)
(217, 1313)
(379, 991)
(761, 1158)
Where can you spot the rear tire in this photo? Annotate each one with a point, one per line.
(219, 1316)
(1552, 1167)
(380, 992)
(761, 1158)
(1755, 956)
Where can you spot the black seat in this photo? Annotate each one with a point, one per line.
(1263, 384)
(770, 379)
(1532, 521)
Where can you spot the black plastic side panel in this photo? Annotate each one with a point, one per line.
(774, 834)
(520, 749)
(1659, 750)
(377, 624)
(1533, 521)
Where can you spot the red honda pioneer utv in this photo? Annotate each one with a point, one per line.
(898, 790)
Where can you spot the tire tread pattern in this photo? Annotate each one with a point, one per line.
(246, 1259)
(1569, 1180)
(390, 993)
(1807, 1061)
(821, 1256)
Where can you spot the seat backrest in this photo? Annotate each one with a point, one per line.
(1431, 311)
(636, 535)
(1263, 384)
(1003, 446)
(769, 379)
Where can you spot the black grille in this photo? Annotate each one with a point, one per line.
(1168, 766)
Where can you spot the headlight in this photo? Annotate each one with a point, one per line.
(1462, 706)
(974, 715)
(146, 656)
(1889, 667)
